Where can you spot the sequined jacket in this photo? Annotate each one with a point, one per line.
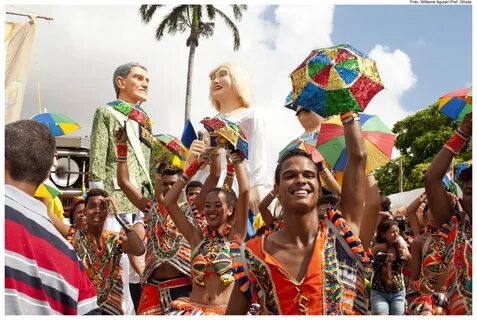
(103, 160)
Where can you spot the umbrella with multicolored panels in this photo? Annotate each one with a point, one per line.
(456, 104)
(58, 123)
(228, 134)
(306, 144)
(47, 189)
(335, 80)
(173, 144)
(378, 139)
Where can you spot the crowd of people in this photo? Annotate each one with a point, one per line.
(220, 236)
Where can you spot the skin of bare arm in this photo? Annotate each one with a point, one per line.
(354, 177)
(133, 194)
(62, 227)
(370, 212)
(240, 226)
(416, 258)
(190, 232)
(412, 217)
(240, 304)
(132, 243)
(267, 215)
(211, 155)
(330, 181)
(229, 179)
(135, 264)
(435, 191)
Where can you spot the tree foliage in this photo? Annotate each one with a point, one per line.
(420, 137)
(191, 17)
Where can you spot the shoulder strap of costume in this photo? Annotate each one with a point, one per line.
(132, 130)
(343, 243)
(243, 246)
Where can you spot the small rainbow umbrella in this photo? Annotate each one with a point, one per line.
(335, 80)
(378, 139)
(228, 133)
(456, 104)
(306, 144)
(58, 123)
(47, 190)
(173, 144)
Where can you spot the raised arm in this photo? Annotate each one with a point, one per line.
(411, 214)
(353, 191)
(230, 176)
(131, 243)
(240, 305)
(133, 194)
(190, 232)
(241, 212)
(438, 201)
(211, 155)
(62, 227)
(330, 181)
(370, 212)
(267, 215)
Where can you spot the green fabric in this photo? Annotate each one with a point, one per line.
(103, 159)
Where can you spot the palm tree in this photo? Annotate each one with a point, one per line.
(184, 17)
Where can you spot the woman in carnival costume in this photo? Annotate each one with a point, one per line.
(223, 218)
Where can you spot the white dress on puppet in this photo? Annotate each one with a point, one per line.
(258, 163)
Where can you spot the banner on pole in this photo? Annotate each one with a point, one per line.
(19, 39)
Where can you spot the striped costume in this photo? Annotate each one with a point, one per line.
(458, 257)
(165, 244)
(103, 268)
(42, 273)
(333, 285)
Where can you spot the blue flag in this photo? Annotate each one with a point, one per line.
(188, 134)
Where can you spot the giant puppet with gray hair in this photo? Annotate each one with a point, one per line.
(131, 85)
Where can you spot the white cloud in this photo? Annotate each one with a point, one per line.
(80, 49)
(395, 69)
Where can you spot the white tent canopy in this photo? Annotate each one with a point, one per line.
(403, 199)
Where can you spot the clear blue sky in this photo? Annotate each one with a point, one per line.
(437, 39)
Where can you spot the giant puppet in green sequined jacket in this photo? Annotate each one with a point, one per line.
(107, 120)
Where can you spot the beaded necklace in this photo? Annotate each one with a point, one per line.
(212, 251)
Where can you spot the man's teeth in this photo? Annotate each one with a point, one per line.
(301, 193)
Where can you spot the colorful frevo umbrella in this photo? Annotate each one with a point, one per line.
(47, 190)
(174, 145)
(229, 135)
(378, 139)
(306, 144)
(58, 123)
(335, 80)
(289, 102)
(456, 104)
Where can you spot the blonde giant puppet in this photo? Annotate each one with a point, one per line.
(231, 95)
